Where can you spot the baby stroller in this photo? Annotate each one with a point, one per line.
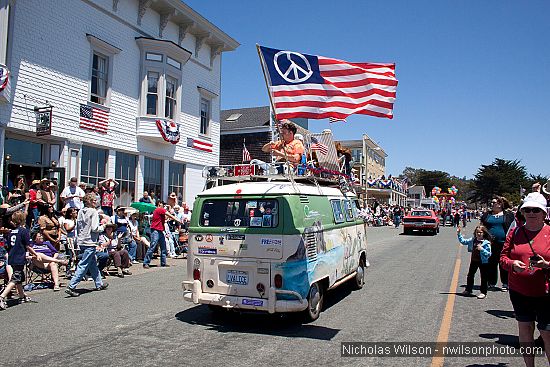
(179, 236)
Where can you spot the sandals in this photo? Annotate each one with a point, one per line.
(56, 288)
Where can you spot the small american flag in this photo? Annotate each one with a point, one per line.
(94, 119)
(335, 119)
(199, 144)
(316, 145)
(246, 154)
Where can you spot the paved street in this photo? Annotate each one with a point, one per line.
(142, 319)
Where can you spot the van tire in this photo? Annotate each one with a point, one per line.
(359, 278)
(315, 297)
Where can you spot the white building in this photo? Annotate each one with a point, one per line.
(139, 66)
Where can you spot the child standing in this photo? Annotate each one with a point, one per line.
(480, 247)
(18, 244)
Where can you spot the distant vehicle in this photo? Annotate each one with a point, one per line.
(428, 203)
(421, 220)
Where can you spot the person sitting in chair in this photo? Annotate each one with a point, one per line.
(109, 243)
(48, 258)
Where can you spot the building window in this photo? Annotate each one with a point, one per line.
(205, 116)
(162, 63)
(152, 92)
(176, 176)
(152, 177)
(170, 104)
(93, 165)
(153, 57)
(125, 175)
(100, 67)
(23, 151)
(172, 62)
(101, 62)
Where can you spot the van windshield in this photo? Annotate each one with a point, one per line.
(240, 213)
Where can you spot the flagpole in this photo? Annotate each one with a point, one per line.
(267, 83)
(262, 62)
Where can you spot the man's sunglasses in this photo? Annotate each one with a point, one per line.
(532, 210)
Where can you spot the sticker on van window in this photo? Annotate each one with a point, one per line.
(238, 237)
(207, 251)
(271, 241)
(237, 222)
(256, 222)
(266, 222)
(198, 237)
(252, 204)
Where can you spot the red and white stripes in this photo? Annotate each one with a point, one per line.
(348, 88)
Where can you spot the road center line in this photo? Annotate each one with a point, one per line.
(442, 338)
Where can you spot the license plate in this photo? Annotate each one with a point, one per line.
(237, 277)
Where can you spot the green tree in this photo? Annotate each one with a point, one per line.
(464, 187)
(430, 179)
(411, 174)
(502, 177)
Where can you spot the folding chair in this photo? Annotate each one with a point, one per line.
(36, 274)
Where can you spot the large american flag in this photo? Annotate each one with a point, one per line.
(94, 119)
(246, 154)
(318, 87)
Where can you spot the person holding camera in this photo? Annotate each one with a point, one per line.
(526, 256)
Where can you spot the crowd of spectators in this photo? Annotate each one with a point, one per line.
(39, 233)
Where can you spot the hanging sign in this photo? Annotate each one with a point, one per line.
(43, 120)
(169, 130)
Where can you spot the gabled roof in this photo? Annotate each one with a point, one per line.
(417, 190)
(249, 118)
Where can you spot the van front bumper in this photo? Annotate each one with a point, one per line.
(192, 292)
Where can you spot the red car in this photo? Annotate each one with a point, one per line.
(422, 220)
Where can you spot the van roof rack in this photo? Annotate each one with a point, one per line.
(304, 174)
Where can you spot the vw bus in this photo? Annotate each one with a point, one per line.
(274, 246)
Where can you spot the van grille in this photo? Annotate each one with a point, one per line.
(304, 199)
(311, 246)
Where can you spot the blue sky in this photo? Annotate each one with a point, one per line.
(474, 76)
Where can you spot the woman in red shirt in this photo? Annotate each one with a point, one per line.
(526, 255)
